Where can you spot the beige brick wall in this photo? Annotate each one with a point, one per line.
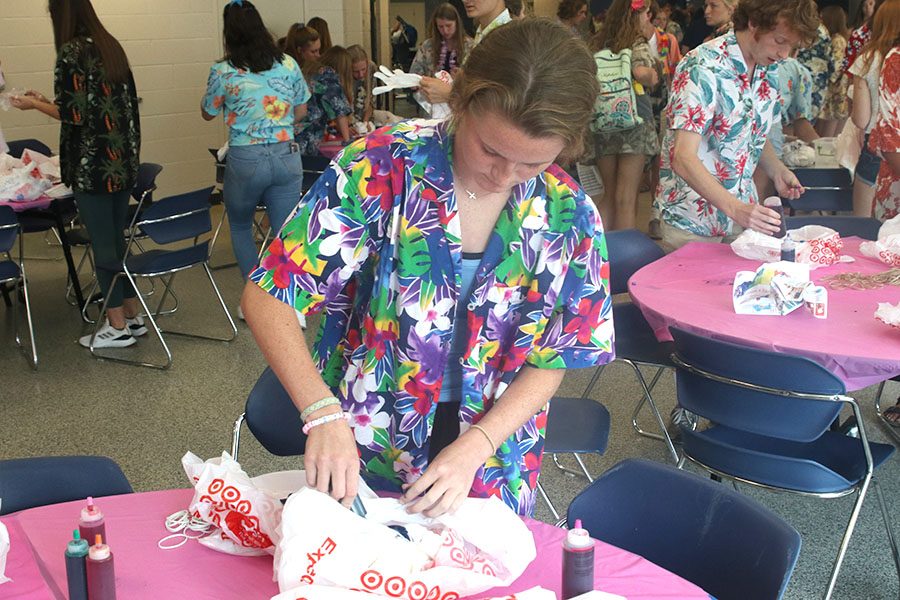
(170, 44)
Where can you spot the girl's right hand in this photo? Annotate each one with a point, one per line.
(332, 460)
(37, 95)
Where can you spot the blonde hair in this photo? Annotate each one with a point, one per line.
(298, 37)
(358, 54)
(537, 75)
(320, 25)
(339, 59)
(621, 28)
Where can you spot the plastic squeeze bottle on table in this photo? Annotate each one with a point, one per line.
(101, 575)
(774, 202)
(578, 562)
(76, 567)
(91, 522)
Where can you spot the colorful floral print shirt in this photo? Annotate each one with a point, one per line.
(858, 39)
(818, 58)
(376, 245)
(259, 107)
(732, 110)
(886, 138)
(100, 131)
(794, 97)
(327, 103)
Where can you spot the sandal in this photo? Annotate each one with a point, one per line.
(892, 415)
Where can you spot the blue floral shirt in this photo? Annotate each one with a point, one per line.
(259, 107)
(818, 58)
(795, 98)
(376, 244)
(732, 110)
(327, 103)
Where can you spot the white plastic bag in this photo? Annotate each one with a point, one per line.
(887, 248)
(483, 545)
(246, 517)
(754, 245)
(4, 552)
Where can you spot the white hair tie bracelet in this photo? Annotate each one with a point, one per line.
(184, 527)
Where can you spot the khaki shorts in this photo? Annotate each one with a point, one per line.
(674, 238)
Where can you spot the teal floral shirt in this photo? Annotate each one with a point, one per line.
(376, 245)
(100, 130)
(259, 107)
(794, 97)
(732, 110)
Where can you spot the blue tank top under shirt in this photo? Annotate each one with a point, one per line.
(451, 389)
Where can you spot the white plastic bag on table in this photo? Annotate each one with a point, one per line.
(483, 545)
(4, 552)
(754, 245)
(246, 517)
(887, 248)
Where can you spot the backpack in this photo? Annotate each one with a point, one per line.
(616, 107)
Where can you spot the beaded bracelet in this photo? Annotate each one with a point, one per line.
(318, 404)
(325, 419)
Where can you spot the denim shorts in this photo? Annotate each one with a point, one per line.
(868, 165)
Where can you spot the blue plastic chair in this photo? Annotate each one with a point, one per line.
(272, 418)
(846, 225)
(13, 272)
(718, 539)
(172, 220)
(29, 482)
(575, 426)
(636, 345)
(828, 190)
(772, 416)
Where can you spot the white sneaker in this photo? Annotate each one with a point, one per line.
(109, 337)
(136, 326)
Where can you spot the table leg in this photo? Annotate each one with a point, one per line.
(67, 251)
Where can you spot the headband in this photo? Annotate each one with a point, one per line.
(237, 2)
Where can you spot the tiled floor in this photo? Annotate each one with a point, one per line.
(146, 420)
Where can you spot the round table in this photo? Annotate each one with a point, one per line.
(691, 288)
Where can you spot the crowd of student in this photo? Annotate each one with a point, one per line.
(429, 319)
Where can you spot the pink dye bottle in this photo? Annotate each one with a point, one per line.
(101, 575)
(91, 522)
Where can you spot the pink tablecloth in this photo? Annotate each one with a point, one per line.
(42, 202)
(135, 524)
(691, 288)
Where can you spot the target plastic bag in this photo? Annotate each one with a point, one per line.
(246, 517)
(481, 546)
(817, 246)
(887, 248)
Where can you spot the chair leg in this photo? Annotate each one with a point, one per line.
(547, 500)
(153, 326)
(590, 386)
(885, 515)
(640, 405)
(653, 408)
(845, 541)
(584, 472)
(236, 437)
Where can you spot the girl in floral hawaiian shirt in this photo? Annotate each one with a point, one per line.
(329, 110)
(447, 45)
(99, 145)
(383, 243)
(885, 137)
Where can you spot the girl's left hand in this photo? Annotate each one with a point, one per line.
(22, 102)
(448, 479)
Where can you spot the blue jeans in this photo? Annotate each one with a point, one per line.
(267, 175)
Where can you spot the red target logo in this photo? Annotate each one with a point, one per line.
(231, 494)
(395, 586)
(417, 591)
(216, 486)
(371, 580)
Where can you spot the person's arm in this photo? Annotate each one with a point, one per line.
(804, 130)
(343, 127)
(646, 76)
(448, 478)
(214, 99)
(331, 458)
(786, 183)
(687, 165)
(861, 111)
(300, 112)
(893, 161)
(206, 116)
(29, 102)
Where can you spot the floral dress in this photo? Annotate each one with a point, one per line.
(837, 103)
(858, 39)
(732, 110)
(818, 58)
(886, 138)
(100, 129)
(376, 245)
(327, 102)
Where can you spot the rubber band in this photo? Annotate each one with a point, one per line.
(487, 436)
(325, 419)
(317, 405)
(185, 526)
(163, 546)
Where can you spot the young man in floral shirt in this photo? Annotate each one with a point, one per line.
(724, 100)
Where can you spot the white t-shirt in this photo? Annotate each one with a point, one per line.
(871, 77)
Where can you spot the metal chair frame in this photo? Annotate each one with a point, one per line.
(152, 316)
(33, 359)
(880, 413)
(860, 488)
